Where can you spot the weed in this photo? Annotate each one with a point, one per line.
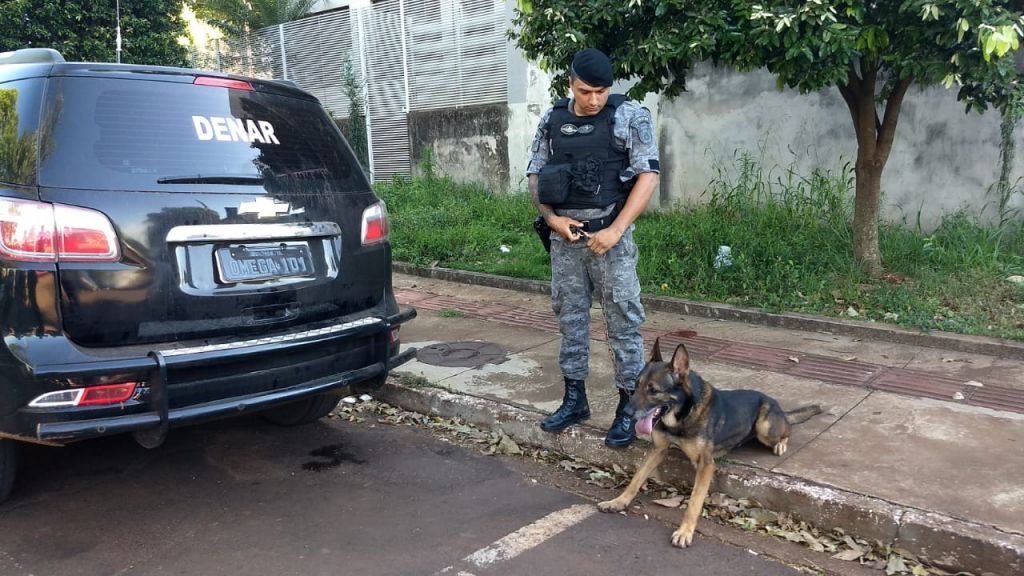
(413, 381)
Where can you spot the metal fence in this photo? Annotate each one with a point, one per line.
(409, 55)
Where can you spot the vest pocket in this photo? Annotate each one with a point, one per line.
(553, 183)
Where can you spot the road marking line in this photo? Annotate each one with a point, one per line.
(531, 536)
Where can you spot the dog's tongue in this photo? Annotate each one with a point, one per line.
(646, 425)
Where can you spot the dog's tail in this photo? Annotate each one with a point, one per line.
(803, 413)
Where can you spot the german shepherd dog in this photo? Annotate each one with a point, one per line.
(676, 406)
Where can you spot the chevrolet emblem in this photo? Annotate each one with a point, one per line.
(263, 207)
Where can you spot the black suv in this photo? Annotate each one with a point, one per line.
(176, 246)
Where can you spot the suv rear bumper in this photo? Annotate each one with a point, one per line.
(153, 414)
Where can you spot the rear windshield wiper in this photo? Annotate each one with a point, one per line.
(211, 179)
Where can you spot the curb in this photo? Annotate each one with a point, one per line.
(805, 322)
(942, 541)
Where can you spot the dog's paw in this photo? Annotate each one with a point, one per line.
(682, 537)
(612, 505)
(781, 447)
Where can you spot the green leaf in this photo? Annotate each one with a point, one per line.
(1002, 47)
(989, 46)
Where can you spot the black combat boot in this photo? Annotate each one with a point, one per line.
(574, 408)
(623, 430)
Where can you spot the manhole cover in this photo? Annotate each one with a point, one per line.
(461, 354)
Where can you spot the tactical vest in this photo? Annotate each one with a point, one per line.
(585, 147)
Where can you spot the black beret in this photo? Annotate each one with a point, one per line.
(593, 67)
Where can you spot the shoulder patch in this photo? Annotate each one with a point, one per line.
(641, 122)
(646, 132)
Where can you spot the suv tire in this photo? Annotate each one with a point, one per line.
(303, 411)
(8, 466)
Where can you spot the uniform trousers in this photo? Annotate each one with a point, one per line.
(577, 274)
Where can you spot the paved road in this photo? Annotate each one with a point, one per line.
(245, 497)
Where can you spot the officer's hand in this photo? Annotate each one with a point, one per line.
(566, 227)
(601, 242)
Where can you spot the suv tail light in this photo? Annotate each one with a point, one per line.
(91, 396)
(375, 224)
(222, 83)
(41, 232)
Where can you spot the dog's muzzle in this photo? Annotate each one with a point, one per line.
(645, 423)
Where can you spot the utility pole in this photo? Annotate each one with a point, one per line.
(118, 50)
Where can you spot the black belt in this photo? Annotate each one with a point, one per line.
(598, 224)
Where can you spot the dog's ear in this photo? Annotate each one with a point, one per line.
(681, 361)
(656, 351)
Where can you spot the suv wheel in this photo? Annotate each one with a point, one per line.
(8, 467)
(303, 411)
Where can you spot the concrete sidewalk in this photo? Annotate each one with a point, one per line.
(919, 446)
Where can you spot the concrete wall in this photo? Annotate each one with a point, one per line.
(469, 144)
(942, 159)
(531, 100)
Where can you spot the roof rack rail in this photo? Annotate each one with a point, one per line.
(31, 56)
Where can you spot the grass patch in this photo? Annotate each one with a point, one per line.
(791, 240)
(449, 313)
(435, 221)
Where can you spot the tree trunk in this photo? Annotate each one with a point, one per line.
(1007, 152)
(866, 209)
(874, 142)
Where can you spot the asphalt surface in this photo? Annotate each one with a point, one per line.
(246, 497)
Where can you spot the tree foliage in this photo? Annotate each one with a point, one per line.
(17, 151)
(86, 31)
(240, 17)
(871, 51)
(808, 45)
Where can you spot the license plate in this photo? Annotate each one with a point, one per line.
(252, 262)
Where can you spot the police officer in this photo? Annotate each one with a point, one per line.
(593, 170)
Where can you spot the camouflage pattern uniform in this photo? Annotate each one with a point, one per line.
(576, 271)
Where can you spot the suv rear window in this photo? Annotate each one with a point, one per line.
(19, 115)
(118, 134)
